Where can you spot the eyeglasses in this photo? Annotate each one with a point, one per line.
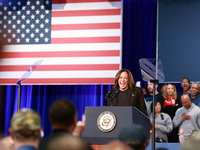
(184, 82)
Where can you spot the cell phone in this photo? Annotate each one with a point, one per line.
(138, 84)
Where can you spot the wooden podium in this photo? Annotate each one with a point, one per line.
(123, 114)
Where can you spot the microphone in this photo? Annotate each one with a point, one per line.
(115, 94)
(109, 93)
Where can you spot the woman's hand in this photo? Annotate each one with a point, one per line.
(156, 126)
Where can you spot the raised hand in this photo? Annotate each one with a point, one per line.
(80, 125)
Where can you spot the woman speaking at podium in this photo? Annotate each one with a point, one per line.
(124, 93)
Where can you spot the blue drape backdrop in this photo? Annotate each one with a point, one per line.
(139, 41)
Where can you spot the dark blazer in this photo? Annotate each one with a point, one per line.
(55, 134)
(135, 99)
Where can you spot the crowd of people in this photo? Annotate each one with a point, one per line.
(181, 109)
(177, 115)
(26, 129)
(177, 119)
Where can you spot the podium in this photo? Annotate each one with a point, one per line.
(123, 114)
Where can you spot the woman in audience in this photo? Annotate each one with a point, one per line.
(163, 123)
(162, 88)
(168, 100)
(169, 104)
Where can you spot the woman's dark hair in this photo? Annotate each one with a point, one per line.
(156, 102)
(151, 107)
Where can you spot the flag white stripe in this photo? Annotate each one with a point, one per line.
(62, 47)
(86, 33)
(86, 19)
(61, 60)
(86, 6)
(60, 74)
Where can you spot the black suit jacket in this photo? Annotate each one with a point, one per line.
(135, 99)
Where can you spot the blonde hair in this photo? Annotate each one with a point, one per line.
(165, 91)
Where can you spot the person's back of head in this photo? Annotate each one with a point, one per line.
(193, 143)
(117, 145)
(134, 136)
(25, 125)
(25, 128)
(62, 112)
(67, 142)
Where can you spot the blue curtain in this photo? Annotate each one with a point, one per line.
(139, 33)
(139, 41)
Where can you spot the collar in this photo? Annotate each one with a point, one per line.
(190, 107)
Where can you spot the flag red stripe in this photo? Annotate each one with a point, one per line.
(86, 40)
(61, 54)
(86, 26)
(81, 1)
(61, 80)
(76, 13)
(61, 67)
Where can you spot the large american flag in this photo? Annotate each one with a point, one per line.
(78, 41)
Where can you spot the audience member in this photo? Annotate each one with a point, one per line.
(192, 143)
(185, 85)
(149, 96)
(67, 142)
(194, 93)
(163, 123)
(25, 130)
(181, 136)
(168, 100)
(117, 145)
(145, 90)
(125, 93)
(162, 89)
(134, 136)
(193, 133)
(187, 117)
(7, 143)
(169, 105)
(62, 116)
